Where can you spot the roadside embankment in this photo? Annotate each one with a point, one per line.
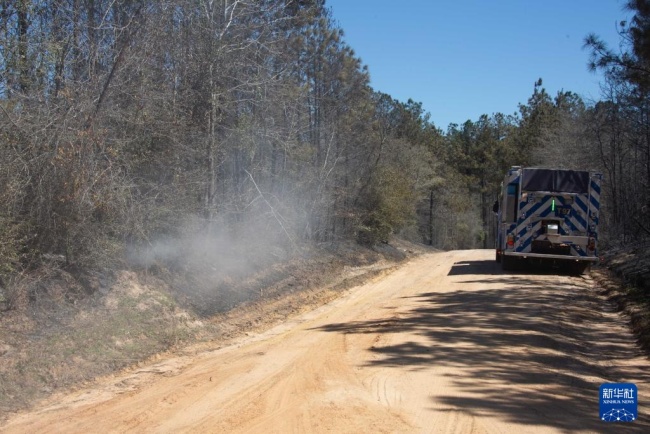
(625, 279)
(67, 336)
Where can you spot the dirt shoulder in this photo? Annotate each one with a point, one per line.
(61, 343)
(623, 277)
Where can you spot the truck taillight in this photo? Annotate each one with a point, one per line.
(511, 241)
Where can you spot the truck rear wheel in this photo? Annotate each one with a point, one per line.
(508, 262)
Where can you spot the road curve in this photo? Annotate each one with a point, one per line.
(447, 343)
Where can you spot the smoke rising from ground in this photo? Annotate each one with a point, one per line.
(207, 264)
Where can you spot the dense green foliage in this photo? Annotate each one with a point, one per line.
(126, 122)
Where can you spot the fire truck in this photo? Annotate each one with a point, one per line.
(550, 216)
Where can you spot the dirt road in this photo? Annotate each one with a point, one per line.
(447, 343)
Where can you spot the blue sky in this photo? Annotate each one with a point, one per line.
(465, 58)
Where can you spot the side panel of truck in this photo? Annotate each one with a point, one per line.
(549, 214)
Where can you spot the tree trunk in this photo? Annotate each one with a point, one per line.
(431, 218)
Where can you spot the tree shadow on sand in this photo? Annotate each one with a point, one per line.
(515, 336)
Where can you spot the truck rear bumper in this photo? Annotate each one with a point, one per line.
(545, 256)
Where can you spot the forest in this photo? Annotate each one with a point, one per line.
(136, 131)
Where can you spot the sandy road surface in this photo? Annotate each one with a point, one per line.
(447, 343)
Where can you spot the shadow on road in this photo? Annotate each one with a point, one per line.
(492, 267)
(489, 267)
(516, 336)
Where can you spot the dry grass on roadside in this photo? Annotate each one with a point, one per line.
(626, 282)
(53, 346)
(632, 300)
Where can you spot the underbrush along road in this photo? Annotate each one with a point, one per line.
(446, 343)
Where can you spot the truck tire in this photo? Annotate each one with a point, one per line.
(508, 263)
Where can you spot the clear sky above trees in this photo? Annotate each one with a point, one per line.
(464, 59)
